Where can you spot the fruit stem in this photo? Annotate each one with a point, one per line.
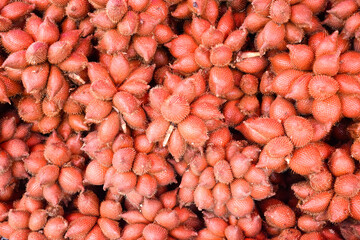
(250, 54)
(123, 124)
(168, 134)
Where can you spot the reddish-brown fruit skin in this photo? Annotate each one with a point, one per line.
(70, 180)
(175, 108)
(355, 150)
(95, 169)
(236, 39)
(16, 40)
(186, 64)
(181, 46)
(254, 22)
(301, 15)
(240, 207)
(281, 109)
(56, 227)
(349, 63)
(232, 114)
(306, 160)
(317, 203)
(240, 189)
(220, 55)
(38, 72)
(272, 156)
(136, 162)
(321, 181)
(48, 32)
(145, 47)
(220, 80)
(80, 226)
(294, 34)
(272, 147)
(280, 62)
(347, 185)
(211, 37)
(322, 87)
(266, 40)
(250, 64)
(261, 130)
(123, 159)
(312, 235)
(157, 129)
(355, 207)
(256, 175)
(301, 56)
(350, 106)
(261, 7)
(299, 130)
(280, 11)
(193, 130)
(222, 172)
(308, 223)
(338, 209)
(340, 163)
(327, 64)
(328, 110)
(249, 105)
(249, 84)
(280, 216)
(15, 10)
(282, 83)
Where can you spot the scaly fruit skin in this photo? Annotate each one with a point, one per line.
(144, 110)
(329, 195)
(231, 185)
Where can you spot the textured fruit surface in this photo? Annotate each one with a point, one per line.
(180, 119)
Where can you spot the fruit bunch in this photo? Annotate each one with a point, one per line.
(180, 119)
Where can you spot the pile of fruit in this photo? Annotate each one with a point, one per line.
(180, 119)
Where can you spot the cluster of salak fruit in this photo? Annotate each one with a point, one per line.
(171, 119)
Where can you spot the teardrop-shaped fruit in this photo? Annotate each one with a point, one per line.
(88, 203)
(299, 88)
(109, 228)
(322, 87)
(341, 163)
(193, 130)
(80, 227)
(261, 130)
(240, 207)
(280, 216)
(222, 172)
(175, 108)
(221, 80)
(338, 209)
(203, 198)
(154, 231)
(176, 145)
(316, 203)
(321, 181)
(301, 56)
(281, 109)
(299, 130)
(328, 110)
(306, 160)
(283, 81)
(123, 159)
(308, 223)
(280, 11)
(273, 147)
(347, 185)
(157, 129)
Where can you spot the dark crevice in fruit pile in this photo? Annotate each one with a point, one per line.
(180, 119)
